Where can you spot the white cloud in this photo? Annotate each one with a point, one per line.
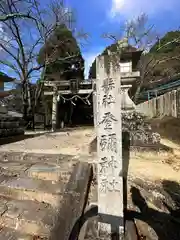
(131, 8)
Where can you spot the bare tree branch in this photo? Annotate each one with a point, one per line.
(15, 15)
(25, 38)
(11, 54)
(143, 36)
(12, 66)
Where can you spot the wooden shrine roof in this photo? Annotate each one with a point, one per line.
(5, 78)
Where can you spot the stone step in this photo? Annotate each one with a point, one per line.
(50, 172)
(31, 189)
(27, 217)
(33, 158)
(43, 171)
(11, 234)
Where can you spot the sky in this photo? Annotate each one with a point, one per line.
(96, 17)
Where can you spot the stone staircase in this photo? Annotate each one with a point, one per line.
(31, 187)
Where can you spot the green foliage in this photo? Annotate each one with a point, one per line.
(62, 52)
(167, 48)
(169, 37)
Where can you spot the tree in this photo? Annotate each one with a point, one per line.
(64, 42)
(22, 39)
(140, 36)
(15, 15)
(171, 66)
(158, 60)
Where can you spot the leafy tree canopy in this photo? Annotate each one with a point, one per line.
(65, 61)
(166, 55)
(172, 37)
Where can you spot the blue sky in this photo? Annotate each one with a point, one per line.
(96, 17)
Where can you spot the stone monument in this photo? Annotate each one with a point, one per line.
(134, 122)
(117, 124)
(109, 148)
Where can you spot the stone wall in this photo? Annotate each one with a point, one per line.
(10, 126)
(167, 104)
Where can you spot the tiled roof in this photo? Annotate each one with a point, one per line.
(5, 78)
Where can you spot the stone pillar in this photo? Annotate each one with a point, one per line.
(109, 148)
(54, 110)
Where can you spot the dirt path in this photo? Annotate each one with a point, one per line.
(153, 169)
(71, 142)
(76, 142)
(154, 186)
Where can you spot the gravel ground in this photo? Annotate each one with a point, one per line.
(70, 141)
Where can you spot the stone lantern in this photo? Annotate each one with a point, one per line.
(130, 57)
(132, 120)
